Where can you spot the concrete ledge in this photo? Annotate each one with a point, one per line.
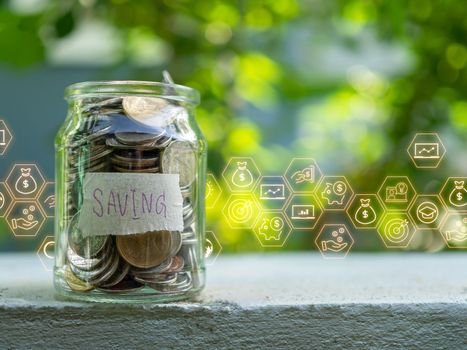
(368, 301)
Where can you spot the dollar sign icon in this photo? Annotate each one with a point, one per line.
(277, 223)
(365, 214)
(459, 196)
(242, 177)
(25, 183)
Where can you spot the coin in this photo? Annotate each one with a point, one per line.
(142, 108)
(180, 158)
(125, 286)
(135, 138)
(86, 247)
(75, 283)
(145, 250)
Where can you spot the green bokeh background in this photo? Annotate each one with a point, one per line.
(348, 83)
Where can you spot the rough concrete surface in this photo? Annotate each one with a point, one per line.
(296, 301)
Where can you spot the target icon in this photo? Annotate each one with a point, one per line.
(240, 210)
(397, 230)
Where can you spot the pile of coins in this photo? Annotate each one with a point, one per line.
(167, 262)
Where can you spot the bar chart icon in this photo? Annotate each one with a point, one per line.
(303, 212)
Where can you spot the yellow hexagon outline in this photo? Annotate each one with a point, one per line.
(227, 181)
(41, 247)
(435, 134)
(41, 223)
(40, 194)
(446, 211)
(219, 193)
(349, 186)
(286, 222)
(409, 202)
(213, 260)
(381, 235)
(12, 199)
(317, 181)
(258, 184)
(377, 221)
(340, 257)
(440, 230)
(7, 129)
(42, 182)
(450, 209)
(226, 216)
(290, 202)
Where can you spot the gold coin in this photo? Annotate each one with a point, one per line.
(145, 250)
(75, 283)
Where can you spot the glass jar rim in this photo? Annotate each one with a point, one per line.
(134, 88)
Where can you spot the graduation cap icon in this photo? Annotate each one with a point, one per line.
(427, 212)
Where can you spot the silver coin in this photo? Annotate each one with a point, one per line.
(119, 275)
(108, 103)
(144, 109)
(135, 138)
(86, 247)
(176, 243)
(180, 158)
(83, 263)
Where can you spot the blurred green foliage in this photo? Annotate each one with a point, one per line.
(276, 81)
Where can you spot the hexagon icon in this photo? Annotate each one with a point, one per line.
(25, 181)
(272, 229)
(45, 252)
(426, 150)
(212, 248)
(396, 229)
(397, 192)
(25, 218)
(241, 174)
(334, 241)
(303, 211)
(272, 192)
(303, 175)
(5, 199)
(334, 193)
(365, 211)
(454, 230)
(427, 211)
(454, 194)
(47, 199)
(213, 191)
(5, 137)
(241, 210)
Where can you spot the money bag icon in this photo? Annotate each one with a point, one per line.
(242, 176)
(458, 196)
(365, 214)
(26, 184)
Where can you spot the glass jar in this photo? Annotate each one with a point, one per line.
(130, 176)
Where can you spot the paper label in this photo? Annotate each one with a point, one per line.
(124, 204)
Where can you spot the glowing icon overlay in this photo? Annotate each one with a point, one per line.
(335, 192)
(303, 175)
(334, 241)
(426, 150)
(5, 199)
(5, 137)
(25, 218)
(47, 199)
(241, 174)
(25, 181)
(303, 211)
(241, 210)
(397, 192)
(396, 230)
(365, 211)
(454, 231)
(213, 191)
(45, 253)
(272, 192)
(427, 211)
(454, 194)
(212, 248)
(272, 229)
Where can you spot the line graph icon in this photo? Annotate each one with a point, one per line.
(272, 192)
(426, 150)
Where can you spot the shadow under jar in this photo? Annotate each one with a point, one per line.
(130, 181)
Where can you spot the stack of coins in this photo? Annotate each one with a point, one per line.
(134, 135)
